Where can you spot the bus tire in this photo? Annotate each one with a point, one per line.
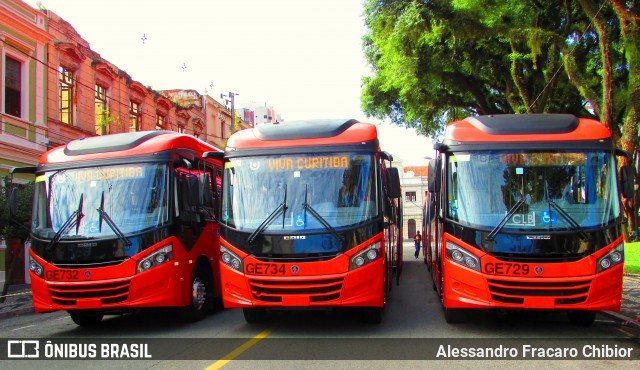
(582, 317)
(86, 318)
(255, 315)
(455, 315)
(198, 289)
(372, 315)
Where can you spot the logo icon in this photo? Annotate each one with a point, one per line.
(23, 349)
(87, 274)
(538, 270)
(295, 269)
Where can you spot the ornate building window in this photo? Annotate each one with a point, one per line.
(102, 112)
(160, 121)
(66, 95)
(134, 116)
(13, 87)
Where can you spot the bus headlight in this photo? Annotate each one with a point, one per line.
(35, 267)
(366, 256)
(614, 257)
(230, 259)
(156, 258)
(462, 257)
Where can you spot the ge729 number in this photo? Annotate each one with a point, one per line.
(506, 268)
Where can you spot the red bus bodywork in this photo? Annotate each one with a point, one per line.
(182, 268)
(265, 281)
(506, 280)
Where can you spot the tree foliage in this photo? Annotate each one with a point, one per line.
(17, 228)
(438, 60)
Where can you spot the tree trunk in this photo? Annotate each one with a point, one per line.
(9, 274)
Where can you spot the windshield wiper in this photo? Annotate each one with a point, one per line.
(282, 207)
(75, 216)
(500, 225)
(307, 207)
(573, 224)
(104, 215)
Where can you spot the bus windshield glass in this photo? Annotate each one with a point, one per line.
(532, 191)
(301, 192)
(100, 202)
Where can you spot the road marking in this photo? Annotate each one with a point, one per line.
(624, 332)
(238, 351)
(22, 327)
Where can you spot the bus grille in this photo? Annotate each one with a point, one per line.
(108, 293)
(515, 292)
(321, 290)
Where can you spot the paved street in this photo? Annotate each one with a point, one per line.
(412, 329)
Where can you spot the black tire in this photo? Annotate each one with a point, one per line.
(255, 315)
(455, 315)
(199, 292)
(86, 318)
(372, 315)
(582, 317)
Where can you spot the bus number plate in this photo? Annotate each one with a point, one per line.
(506, 268)
(61, 275)
(264, 268)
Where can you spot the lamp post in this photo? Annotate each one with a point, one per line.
(231, 99)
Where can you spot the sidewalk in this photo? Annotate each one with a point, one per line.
(18, 300)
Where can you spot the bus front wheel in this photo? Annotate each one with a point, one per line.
(255, 315)
(455, 315)
(196, 310)
(372, 315)
(83, 318)
(582, 317)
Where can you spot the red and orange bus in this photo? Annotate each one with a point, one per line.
(524, 212)
(310, 218)
(123, 222)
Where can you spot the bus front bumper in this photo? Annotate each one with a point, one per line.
(466, 288)
(162, 286)
(362, 287)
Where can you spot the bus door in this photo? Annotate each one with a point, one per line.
(435, 219)
(393, 223)
(196, 202)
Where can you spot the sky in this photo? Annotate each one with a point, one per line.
(303, 57)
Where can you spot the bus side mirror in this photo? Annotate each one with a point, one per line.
(626, 180)
(433, 176)
(393, 183)
(214, 155)
(183, 163)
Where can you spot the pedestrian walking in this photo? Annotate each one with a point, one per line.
(417, 239)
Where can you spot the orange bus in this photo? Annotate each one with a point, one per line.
(524, 212)
(310, 218)
(125, 221)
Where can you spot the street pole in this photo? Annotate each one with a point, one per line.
(233, 109)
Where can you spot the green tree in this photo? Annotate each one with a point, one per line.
(17, 227)
(440, 60)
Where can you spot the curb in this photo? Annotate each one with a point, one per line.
(626, 320)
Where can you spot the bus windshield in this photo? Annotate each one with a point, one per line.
(302, 192)
(532, 191)
(100, 202)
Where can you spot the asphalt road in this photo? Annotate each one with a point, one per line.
(413, 334)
